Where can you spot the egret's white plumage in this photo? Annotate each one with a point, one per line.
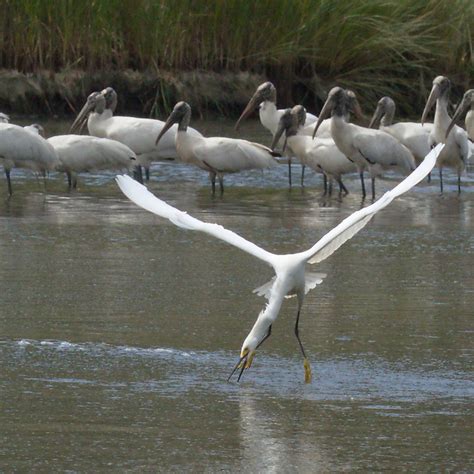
(290, 274)
(84, 153)
(139, 134)
(216, 155)
(20, 148)
(415, 136)
(367, 148)
(456, 152)
(321, 154)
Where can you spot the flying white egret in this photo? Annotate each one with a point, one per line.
(216, 155)
(290, 277)
(138, 134)
(20, 148)
(321, 154)
(456, 152)
(265, 99)
(367, 148)
(83, 153)
(466, 103)
(415, 136)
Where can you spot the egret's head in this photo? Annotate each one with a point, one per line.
(440, 90)
(180, 114)
(265, 91)
(95, 102)
(467, 101)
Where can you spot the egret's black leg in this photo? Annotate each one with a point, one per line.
(307, 368)
(7, 174)
(266, 337)
(362, 183)
(429, 177)
(303, 167)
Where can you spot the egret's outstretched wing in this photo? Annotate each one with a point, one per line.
(328, 244)
(140, 195)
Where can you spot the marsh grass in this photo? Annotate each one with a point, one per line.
(375, 47)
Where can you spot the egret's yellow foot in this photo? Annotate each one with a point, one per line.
(249, 360)
(307, 371)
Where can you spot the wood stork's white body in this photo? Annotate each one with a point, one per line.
(82, 153)
(456, 151)
(20, 148)
(290, 277)
(216, 155)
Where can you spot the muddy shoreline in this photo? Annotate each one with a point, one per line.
(146, 93)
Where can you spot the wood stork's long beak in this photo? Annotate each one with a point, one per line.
(462, 107)
(170, 121)
(433, 97)
(325, 113)
(81, 118)
(252, 104)
(377, 117)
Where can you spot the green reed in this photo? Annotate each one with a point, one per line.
(375, 47)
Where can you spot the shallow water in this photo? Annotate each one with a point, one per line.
(118, 330)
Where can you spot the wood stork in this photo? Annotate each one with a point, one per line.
(137, 133)
(415, 136)
(20, 148)
(84, 153)
(265, 99)
(321, 154)
(291, 277)
(216, 155)
(466, 103)
(367, 148)
(456, 151)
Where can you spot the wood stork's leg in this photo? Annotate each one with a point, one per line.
(329, 187)
(147, 173)
(325, 184)
(459, 182)
(69, 180)
(137, 174)
(441, 179)
(7, 174)
(212, 176)
(361, 174)
(74, 182)
(221, 182)
(303, 167)
(429, 177)
(289, 171)
(342, 188)
(373, 189)
(307, 367)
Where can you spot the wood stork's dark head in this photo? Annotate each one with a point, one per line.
(264, 92)
(94, 103)
(384, 113)
(466, 103)
(440, 90)
(181, 114)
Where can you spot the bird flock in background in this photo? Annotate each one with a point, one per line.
(329, 144)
